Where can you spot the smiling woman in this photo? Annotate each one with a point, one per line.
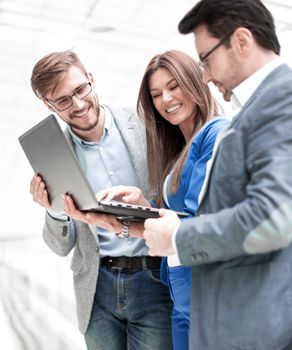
(181, 119)
(175, 104)
(170, 100)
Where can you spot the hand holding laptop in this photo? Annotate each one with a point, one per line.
(39, 192)
(40, 196)
(106, 221)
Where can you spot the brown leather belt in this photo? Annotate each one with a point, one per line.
(131, 263)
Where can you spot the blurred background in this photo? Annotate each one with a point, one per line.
(115, 39)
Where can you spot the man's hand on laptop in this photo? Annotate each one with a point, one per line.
(39, 192)
(127, 194)
(106, 221)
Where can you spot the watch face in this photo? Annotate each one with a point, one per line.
(123, 234)
(125, 229)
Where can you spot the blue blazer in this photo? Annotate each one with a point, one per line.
(193, 174)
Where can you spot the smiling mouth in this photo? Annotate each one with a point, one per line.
(81, 115)
(173, 108)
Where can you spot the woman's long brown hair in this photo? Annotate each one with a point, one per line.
(166, 146)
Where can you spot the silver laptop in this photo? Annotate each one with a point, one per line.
(52, 157)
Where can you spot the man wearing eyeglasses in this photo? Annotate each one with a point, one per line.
(121, 302)
(240, 243)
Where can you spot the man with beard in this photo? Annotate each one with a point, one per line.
(121, 302)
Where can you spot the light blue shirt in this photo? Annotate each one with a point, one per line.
(108, 164)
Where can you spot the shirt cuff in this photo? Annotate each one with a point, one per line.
(173, 240)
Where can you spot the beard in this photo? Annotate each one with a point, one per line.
(95, 108)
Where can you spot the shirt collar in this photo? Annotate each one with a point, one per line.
(244, 91)
(106, 129)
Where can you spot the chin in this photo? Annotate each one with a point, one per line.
(227, 96)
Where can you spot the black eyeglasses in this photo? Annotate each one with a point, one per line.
(202, 62)
(66, 102)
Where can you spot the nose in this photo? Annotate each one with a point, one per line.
(77, 102)
(206, 76)
(167, 96)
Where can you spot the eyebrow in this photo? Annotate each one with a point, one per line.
(169, 82)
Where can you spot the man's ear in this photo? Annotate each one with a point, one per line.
(242, 39)
(91, 79)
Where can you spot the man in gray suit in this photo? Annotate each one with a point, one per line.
(121, 302)
(240, 243)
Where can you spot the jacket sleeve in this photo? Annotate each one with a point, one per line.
(254, 215)
(59, 235)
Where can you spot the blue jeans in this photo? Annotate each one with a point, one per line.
(132, 310)
(178, 279)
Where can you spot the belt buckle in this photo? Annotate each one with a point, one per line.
(116, 268)
(127, 264)
(110, 265)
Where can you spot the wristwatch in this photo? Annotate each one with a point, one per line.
(125, 229)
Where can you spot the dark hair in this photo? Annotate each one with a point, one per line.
(49, 70)
(225, 16)
(166, 146)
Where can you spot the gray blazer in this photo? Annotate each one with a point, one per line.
(239, 245)
(63, 236)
